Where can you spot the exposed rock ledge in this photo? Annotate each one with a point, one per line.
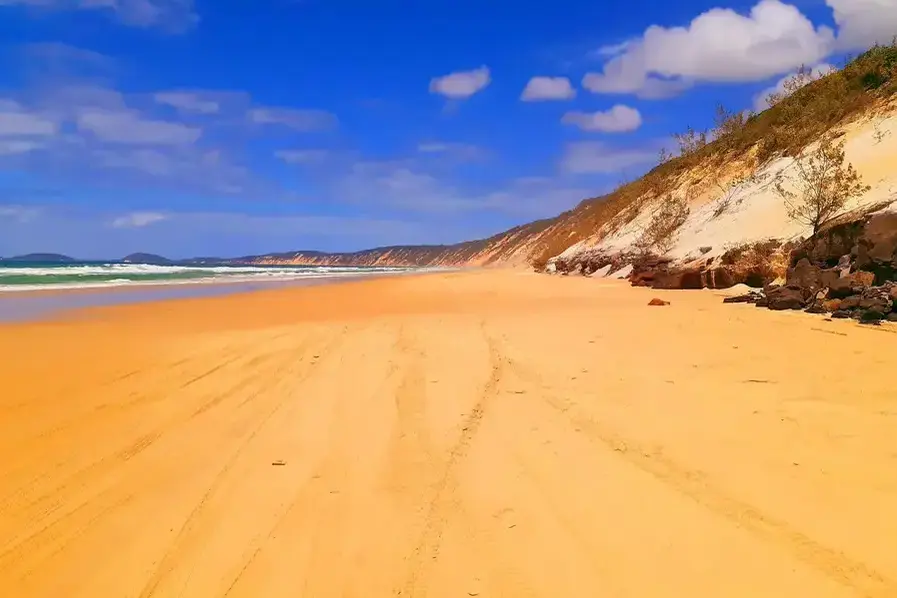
(858, 251)
(755, 264)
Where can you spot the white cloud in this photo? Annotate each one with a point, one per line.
(137, 219)
(302, 156)
(718, 45)
(548, 88)
(592, 157)
(174, 15)
(461, 85)
(618, 119)
(300, 120)
(862, 23)
(761, 102)
(15, 120)
(188, 101)
(128, 127)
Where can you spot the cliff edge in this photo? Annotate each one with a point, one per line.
(732, 224)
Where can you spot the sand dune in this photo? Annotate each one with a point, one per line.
(464, 434)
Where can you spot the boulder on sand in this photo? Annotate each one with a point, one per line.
(784, 298)
(658, 303)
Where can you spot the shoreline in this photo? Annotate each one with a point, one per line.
(31, 305)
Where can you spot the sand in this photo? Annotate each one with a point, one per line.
(462, 434)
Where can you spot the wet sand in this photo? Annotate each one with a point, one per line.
(461, 434)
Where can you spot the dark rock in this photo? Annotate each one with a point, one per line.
(687, 278)
(748, 298)
(762, 302)
(876, 303)
(852, 302)
(871, 315)
(658, 303)
(840, 315)
(805, 275)
(828, 246)
(786, 298)
(842, 288)
(816, 308)
(705, 250)
(880, 237)
(891, 317)
(830, 277)
(860, 243)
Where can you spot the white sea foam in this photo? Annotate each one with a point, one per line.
(89, 275)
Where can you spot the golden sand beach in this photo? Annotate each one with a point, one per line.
(460, 434)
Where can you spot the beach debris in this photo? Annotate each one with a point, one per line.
(279, 463)
(658, 303)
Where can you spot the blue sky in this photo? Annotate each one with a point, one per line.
(189, 127)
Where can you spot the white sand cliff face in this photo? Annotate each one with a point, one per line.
(756, 212)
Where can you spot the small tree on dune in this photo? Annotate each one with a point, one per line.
(823, 185)
(660, 234)
(691, 141)
(727, 124)
(803, 77)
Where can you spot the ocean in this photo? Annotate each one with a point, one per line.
(34, 276)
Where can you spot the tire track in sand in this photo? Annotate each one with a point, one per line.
(316, 483)
(440, 506)
(64, 529)
(167, 562)
(834, 564)
(410, 447)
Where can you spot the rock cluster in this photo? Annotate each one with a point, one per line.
(848, 271)
(754, 264)
(835, 291)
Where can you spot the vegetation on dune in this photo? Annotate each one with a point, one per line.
(822, 186)
(809, 106)
(660, 234)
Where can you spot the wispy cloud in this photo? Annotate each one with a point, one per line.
(167, 15)
(129, 127)
(16, 120)
(464, 152)
(137, 219)
(302, 120)
(19, 213)
(593, 157)
(9, 147)
(302, 156)
(188, 101)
